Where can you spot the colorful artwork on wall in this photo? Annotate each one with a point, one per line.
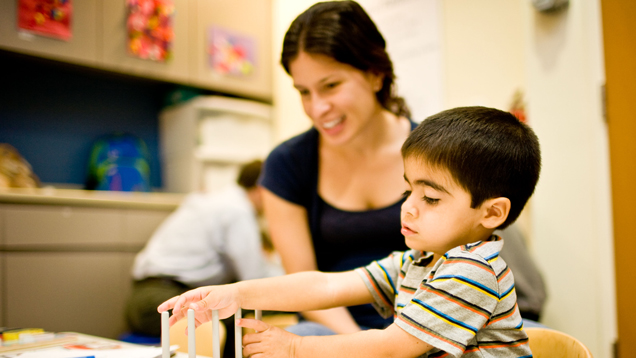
(150, 29)
(50, 18)
(231, 53)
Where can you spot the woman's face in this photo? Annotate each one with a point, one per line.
(339, 99)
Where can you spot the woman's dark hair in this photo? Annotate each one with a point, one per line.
(343, 31)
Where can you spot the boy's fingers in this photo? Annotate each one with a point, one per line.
(199, 306)
(168, 304)
(256, 325)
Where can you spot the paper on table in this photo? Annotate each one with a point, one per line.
(140, 352)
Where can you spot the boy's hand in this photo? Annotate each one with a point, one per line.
(268, 341)
(202, 300)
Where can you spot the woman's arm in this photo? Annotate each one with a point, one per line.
(289, 231)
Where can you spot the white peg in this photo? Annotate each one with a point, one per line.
(165, 335)
(238, 335)
(216, 335)
(258, 314)
(192, 350)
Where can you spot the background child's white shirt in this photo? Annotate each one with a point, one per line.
(210, 239)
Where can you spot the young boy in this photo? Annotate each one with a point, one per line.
(468, 171)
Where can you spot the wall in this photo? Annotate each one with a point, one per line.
(289, 117)
(571, 208)
(52, 112)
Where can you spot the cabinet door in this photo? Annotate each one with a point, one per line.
(250, 18)
(82, 48)
(62, 225)
(139, 225)
(79, 292)
(3, 291)
(114, 38)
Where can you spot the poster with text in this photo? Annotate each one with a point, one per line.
(50, 18)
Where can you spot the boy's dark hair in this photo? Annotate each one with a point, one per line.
(489, 153)
(343, 31)
(249, 173)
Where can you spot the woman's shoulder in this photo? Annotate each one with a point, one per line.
(304, 141)
(296, 151)
(290, 170)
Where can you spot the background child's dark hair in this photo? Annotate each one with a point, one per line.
(249, 173)
(343, 31)
(487, 151)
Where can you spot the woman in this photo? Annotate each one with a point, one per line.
(338, 186)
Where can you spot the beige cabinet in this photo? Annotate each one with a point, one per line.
(114, 38)
(83, 48)
(67, 291)
(2, 288)
(100, 40)
(67, 267)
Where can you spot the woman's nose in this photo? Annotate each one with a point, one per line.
(319, 106)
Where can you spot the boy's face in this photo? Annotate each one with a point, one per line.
(436, 215)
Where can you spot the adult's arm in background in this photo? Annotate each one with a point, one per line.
(289, 231)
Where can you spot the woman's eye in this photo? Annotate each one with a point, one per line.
(303, 92)
(430, 201)
(406, 194)
(332, 85)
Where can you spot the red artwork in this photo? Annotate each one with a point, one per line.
(518, 106)
(46, 17)
(150, 32)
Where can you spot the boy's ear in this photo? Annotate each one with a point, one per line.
(495, 212)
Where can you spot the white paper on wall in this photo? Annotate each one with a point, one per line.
(413, 32)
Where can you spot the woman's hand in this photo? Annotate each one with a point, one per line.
(203, 300)
(268, 341)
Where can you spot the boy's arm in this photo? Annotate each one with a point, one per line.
(300, 291)
(272, 342)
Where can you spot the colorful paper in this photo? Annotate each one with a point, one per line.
(150, 29)
(231, 53)
(50, 18)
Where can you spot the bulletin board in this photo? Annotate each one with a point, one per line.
(413, 32)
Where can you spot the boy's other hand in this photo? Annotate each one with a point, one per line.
(203, 300)
(268, 341)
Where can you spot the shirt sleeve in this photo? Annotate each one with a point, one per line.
(381, 277)
(291, 168)
(450, 308)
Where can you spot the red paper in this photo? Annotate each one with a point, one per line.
(150, 32)
(50, 18)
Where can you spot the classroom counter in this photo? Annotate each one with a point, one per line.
(91, 198)
(66, 255)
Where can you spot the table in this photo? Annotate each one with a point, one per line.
(109, 348)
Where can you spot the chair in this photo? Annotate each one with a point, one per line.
(203, 337)
(546, 343)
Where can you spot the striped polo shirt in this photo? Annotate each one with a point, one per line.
(464, 305)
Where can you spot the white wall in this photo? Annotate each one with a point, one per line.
(289, 117)
(491, 48)
(571, 213)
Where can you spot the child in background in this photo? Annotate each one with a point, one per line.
(468, 171)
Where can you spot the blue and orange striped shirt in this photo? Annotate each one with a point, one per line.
(464, 304)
